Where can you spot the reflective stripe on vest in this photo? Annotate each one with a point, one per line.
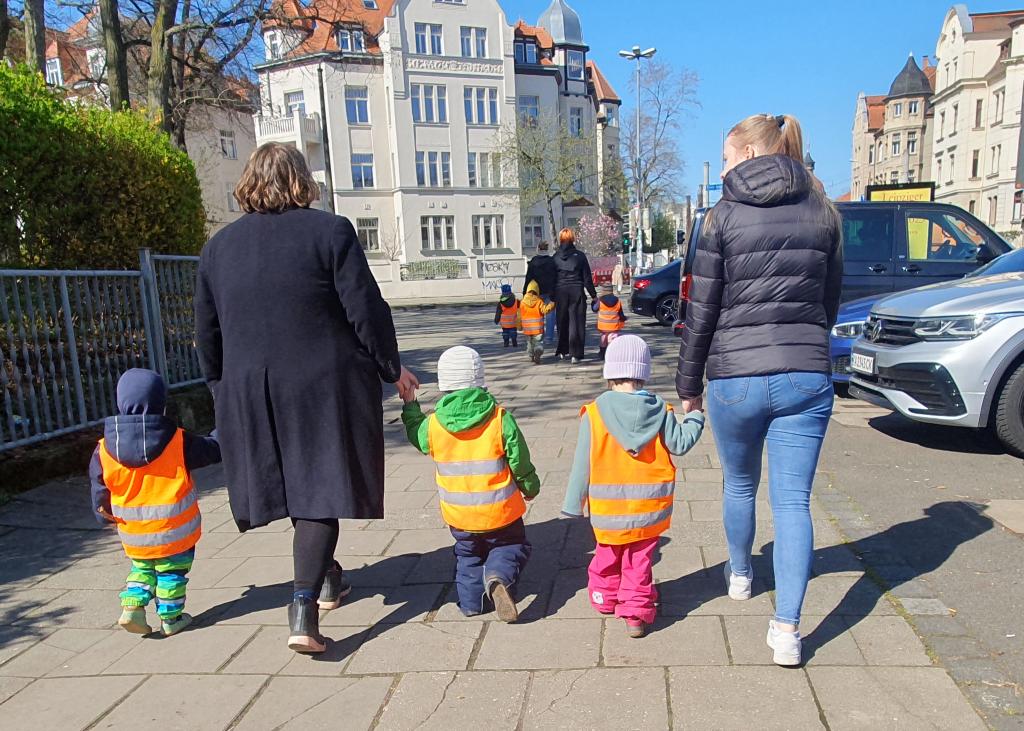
(509, 316)
(609, 319)
(474, 482)
(633, 500)
(533, 318)
(154, 505)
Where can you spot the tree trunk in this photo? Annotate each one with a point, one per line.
(5, 27)
(551, 220)
(158, 104)
(35, 35)
(117, 59)
(180, 117)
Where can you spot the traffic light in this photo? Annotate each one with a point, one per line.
(625, 243)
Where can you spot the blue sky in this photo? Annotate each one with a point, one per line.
(802, 57)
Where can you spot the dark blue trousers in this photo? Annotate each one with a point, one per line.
(480, 557)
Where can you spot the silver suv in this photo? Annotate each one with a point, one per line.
(950, 353)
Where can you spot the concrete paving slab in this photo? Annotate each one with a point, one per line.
(888, 641)
(899, 698)
(688, 641)
(115, 644)
(550, 644)
(310, 704)
(417, 647)
(741, 698)
(1008, 513)
(198, 650)
(826, 641)
(846, 595)
(184, 703)
(342, 644)
(597, 698)
(932, 607)
(442, 701)
(82, 701)
(10, 686)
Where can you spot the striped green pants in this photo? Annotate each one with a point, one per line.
(160, 578)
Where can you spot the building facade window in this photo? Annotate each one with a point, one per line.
(484, 170)
(942, 124)
(911, 143)
(229, 191)
(428, 36)
(488, 232)
(437, 233)
(881, 151)
(227, 144)
(357, 105)
(368, 231)
(295, 101)
(370, 4)
(896, 144)
(897, 109)
(1017, 199)
(993, 165)
(481, 104)
(433, 169)
(576, 121)
(611, 115)
(894, 177)
(998, 99)
(993, 206)
(976, 163)
(429, 103)
(952, 165)
(362, 170)
(274, 46)
(956, 113)
(911, 176)
(871, 154)
(97, 65)
(971, 205)
(978, 108)
(474, 42)
(351, 40)
(938, 172)
(531, 53)
(574, 63)
(533, 231)
(912, 108)
(54, 74)
(529, 107)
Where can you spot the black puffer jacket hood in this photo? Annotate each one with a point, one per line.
(139, 434)
(767, 277)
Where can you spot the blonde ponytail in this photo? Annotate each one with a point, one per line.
(771, 135)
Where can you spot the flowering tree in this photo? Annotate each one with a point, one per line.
(598, 235)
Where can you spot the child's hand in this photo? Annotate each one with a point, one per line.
(106, 515)
(693, 404)
(408, 394)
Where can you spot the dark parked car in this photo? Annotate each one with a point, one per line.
(656, 294)
(889, 247)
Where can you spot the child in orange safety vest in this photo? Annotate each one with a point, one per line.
(141, 479)
(624, 474)
(610, 317)
(484, 478)
(506, 315)
(532, 311)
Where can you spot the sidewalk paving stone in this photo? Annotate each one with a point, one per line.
(184, 703)
(691, 641)
(200, 650)
(81, 702)
(311, 704)
(465, 700)
(549, 644)
(404, 648)
(597, 698)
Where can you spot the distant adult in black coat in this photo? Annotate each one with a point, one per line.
(542, 270)
(294, 340)
(573, 284)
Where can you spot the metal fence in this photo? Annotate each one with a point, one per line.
(69, 335)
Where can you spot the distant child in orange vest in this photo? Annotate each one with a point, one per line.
(532, 311)
(483, 473)
(610, 317)
(623, 472)
(141, 476)
(506, 314)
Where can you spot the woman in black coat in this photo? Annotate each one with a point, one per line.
(572, 285)
(767, 276)
(294, 340)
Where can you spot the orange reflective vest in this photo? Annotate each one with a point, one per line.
(630, 496)
(510, 316)
(154, 505)
(609, 319)
(474, 481)
(532, 318)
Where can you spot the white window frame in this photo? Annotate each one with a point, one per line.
(489, 231)
(293, 105)
(274, 47)
(575, 63)
(911, 143)
(359, 168)
(351, 40)
(473, 41)
(897, 109)
(436, 39)
(529, 107)
(227, 144)
(97, 64)
(952, 165)
(484, 170)
(54, 72)
(481, 105)
(576, 121)
(232, 202)
(533, 231)
(429, 103)
(912, 108)
(437, 233)
(420, 35)
(894, 177)
(433, 169)
(896, 144)
(357, 105)
(531, 50)
(368, 233)
(370, 4)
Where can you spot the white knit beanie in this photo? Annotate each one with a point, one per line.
(627, 357)
(460, 367)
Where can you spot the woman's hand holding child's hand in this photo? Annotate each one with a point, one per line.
(693, 404)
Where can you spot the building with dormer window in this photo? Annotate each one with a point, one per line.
(398, 105)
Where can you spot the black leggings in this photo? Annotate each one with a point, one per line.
(313, 552)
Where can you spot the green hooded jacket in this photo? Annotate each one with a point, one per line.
(464, 409)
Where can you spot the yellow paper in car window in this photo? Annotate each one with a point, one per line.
(918, 230)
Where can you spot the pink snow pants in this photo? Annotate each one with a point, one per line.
(621, 582)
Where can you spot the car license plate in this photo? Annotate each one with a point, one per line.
(862, 363)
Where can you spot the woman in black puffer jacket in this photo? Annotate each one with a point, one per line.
(766, 282)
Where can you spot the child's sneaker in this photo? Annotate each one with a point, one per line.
(504, 604)
(335, 588)
(787, 645)
(739, 586)
(176, 625)
(536, 357)
(635, 628)
(133, 619)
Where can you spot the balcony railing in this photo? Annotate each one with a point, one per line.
(304, 127)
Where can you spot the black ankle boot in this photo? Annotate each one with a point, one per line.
(304, 625)
(335, 588)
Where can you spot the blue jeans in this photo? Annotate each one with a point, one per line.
(549, 323)
(791, 412)
(480, 557)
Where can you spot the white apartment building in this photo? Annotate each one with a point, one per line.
(398, 106)
(977, 107)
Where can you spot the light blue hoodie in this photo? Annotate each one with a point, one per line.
(633, 420)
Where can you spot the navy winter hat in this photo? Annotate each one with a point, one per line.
(506, 289)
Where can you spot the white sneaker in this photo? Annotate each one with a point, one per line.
(739, 586)
(785, 644)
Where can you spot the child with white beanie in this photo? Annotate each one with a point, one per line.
(624, 473)
(484, 478)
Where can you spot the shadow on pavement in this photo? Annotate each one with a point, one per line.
(935, 436)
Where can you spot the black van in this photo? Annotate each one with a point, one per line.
(890, 247)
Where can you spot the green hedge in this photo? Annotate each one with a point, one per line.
(84, 187)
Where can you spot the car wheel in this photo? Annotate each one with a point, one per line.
(1009, 416)
(665, 310)
(842, 390)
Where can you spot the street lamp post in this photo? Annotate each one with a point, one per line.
(635, 54)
